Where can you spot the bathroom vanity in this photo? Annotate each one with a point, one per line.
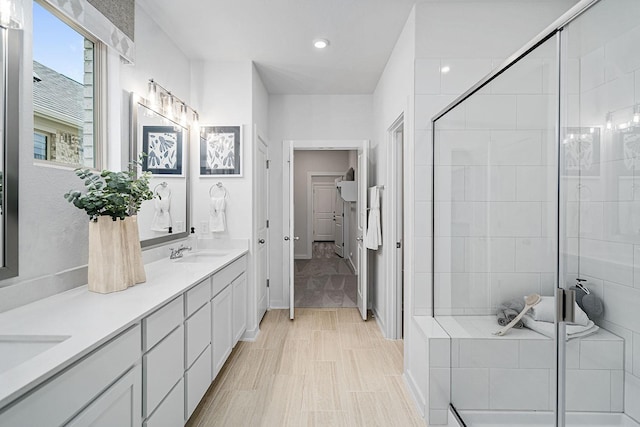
(141, 357)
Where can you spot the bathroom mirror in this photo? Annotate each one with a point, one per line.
(164, 143)
(10, 45)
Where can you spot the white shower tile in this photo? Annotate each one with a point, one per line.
(516, 147)
(422, 292)
(507, 386)
(461, 219)
(607, 260)
(621, 306)
(620, 54)
(423, 149)
(491, 112)
(470, 388)
(537, 354)
(626, 335)
(462, 147)
(438, 417)
(423, 251)
(588, 390)
(450, 183)
(635, 353)
(592, 67)
(427, 76)
(515, 219)
(636, 266)
(439, 353)
(535, 255)
(507, 286)
(428, 106)
(490, 183)
(484, 255)
(536, 111)
(601, 354)
(423, 178)
(622, 221)
(632, 395)
(535, 183)
(486, 353)
(439, 388)
(460, 291)
(463, 73)
(449, 254)
(523, 77)
(573, 354)
(422, 218)
(617, 391)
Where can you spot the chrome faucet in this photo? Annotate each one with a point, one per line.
(177, 253)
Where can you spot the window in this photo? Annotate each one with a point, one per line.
(64, 95)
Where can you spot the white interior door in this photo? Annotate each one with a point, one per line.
(338, 225)
(363, 185)
(262, 209)
(324, 201)
(292, 239)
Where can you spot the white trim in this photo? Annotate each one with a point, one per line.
(414, 390)
(310, 175)
(393, 288)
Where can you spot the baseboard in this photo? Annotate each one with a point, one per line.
(414, 390)
(250, 335)
(301, 256)
(353, 267)
(279, 307)
(379, 322)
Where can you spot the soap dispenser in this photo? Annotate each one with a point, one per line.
(192, 240)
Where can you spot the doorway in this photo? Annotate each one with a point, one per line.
(312, 260)
(396, 160)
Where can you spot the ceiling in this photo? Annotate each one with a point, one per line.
(278, 36)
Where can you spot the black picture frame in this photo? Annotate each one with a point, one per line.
(221, 151)
(157, 143)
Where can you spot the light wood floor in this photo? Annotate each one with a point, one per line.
(326, 368)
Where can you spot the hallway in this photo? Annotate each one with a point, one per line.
(327, 367)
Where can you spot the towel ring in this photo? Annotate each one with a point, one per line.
(220, 187)
(165, 186)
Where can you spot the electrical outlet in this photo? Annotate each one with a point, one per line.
(204, 227)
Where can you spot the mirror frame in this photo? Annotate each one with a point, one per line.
(133, 145)
(12, 48)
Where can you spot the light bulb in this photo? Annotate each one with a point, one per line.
(609, 122)
(321, 43)
(169, 109)
(183, 114)
(636, 114)
(152, 95)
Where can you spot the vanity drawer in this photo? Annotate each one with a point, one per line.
(198, 379)
(224, 277)
(198, 296)
(162, 321)
(170, 413)
(198, 333)
(162, 367)
(57, 400)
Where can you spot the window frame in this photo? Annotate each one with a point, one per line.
(99, 96)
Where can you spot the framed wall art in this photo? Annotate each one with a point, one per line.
(163, 148)
(221, 151)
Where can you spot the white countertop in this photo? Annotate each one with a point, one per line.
(91, 319)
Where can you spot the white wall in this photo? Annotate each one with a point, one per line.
(306, 162)
(306, 117)
(393, 97)
(53, 241)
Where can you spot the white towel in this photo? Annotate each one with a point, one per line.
(545, 311)
(548, 329)
(217, 218)
(162, 217)
(373, 239)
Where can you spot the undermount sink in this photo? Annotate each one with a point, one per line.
(202, 256)
(17, 349)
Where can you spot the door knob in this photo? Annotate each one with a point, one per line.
(261, 241)
(286, 238)
(359, 238)
(296, 238)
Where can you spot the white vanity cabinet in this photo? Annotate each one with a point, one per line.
(81, 393)
(222, 338)
(239, 307)
(163, 361)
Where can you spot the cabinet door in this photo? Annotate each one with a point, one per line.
(120, 405)
(222, 338)
(239, 307)
(170, 412)
(197, 381)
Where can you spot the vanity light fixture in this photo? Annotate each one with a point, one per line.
(445, 69)
(609, 122)
(11, 14)
(161, 100)
(320, 43)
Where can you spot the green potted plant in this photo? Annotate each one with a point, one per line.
(112, 200)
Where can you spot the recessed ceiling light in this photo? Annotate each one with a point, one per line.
(321, 43)
(445, 69)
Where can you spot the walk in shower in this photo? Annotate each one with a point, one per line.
(536, 189)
